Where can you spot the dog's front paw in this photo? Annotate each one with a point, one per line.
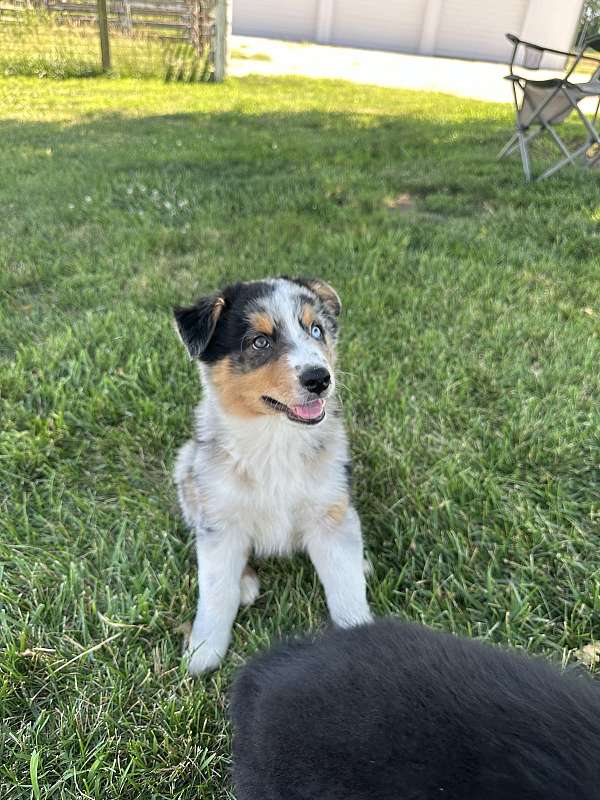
(202, 657)
(249, 587)
(352, 618)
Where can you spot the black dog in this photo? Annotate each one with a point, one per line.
(394, 711)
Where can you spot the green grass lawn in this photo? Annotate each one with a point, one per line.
(470, 354)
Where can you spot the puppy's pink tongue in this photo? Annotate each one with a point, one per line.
(310, 410)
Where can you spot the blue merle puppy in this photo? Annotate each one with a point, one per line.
(267, 469)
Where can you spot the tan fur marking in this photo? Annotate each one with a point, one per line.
(262, 323)
(218, 306)
(241, 394)
(308, 316)
(336, 512)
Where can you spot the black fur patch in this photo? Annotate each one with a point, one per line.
(212, 343)
(196, 324)
(307, 299)
(394, 710)
(233, 323)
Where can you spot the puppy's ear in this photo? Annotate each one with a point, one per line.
(326, 293)
(196, 324)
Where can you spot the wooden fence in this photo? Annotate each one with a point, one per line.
(201, 25)
(187, 20)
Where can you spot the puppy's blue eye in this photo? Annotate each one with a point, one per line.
(260, 343)
(316, 331)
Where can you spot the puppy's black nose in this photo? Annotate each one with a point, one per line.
(315, 379)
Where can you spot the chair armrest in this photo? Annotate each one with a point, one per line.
(514, 39)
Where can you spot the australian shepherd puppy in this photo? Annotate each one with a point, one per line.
(393, 711)
(268, 469)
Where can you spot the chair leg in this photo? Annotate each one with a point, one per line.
(559, 142)
(525, 157)
(569, 160)
(509, 146)
(594, 137)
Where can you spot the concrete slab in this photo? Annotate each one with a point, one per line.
(480, 80)
(476, 79)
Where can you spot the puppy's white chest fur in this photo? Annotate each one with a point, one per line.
(267, 479)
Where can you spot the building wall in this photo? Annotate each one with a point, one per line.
(462, 28)
(552, 23)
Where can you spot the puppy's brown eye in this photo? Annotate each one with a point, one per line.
(260, 343)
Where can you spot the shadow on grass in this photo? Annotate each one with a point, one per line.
(454, 161)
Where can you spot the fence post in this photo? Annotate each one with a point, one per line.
(196, 25)
(221, 34)
(104, 41)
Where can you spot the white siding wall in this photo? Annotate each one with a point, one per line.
(477, 29)
(392, 24)
(553, 23)
(279, 19)
(462, 28)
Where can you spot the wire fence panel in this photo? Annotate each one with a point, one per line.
(62, 38)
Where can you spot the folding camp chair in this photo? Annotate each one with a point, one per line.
(541, 104)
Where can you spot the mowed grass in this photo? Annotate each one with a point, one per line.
(469, 355)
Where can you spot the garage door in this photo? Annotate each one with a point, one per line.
(387, 25)
(280, 19)
(477, 30)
